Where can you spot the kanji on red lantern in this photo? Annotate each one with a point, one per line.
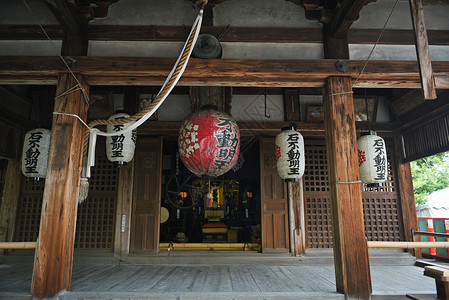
(209, 142)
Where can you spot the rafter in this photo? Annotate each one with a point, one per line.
(347, 13)
(69, 21)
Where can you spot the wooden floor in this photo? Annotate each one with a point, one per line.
(226, 280)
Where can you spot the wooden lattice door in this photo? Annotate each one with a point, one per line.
(95, 221)
(147, 195)
(381, 206)
(275, 235)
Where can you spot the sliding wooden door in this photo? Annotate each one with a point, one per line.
(275, 237)
(146, 194)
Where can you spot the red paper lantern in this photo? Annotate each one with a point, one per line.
(209, 142)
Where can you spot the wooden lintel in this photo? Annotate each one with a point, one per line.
(422, 50)
(221, 72)
(311, 129)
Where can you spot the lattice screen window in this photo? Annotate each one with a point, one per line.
(318, 222)
(381, 207)
(382, 221)
(96, 215)
(29, 211)
(315, 174)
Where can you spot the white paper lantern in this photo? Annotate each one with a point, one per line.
(372, 158)
(35, 153)
(290, 154)
(120, 148)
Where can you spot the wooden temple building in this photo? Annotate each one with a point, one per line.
(266, 63)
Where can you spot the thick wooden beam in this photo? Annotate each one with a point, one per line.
(54, 254)
(124, 207)
(406, 196)
(422, 50)
(352, 270)
(222, 72)
(311, 129)
(347, 13)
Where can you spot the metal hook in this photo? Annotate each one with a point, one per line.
(266, 114)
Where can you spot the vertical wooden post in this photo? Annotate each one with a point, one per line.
(299, 232)
(54, 253)
(124, 207)
(406, 196)
(422, 50)
(291, 219)
(351, 258)
(337, 48)
(11, 193)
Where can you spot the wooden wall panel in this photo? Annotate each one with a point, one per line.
(274, 206)
(147, 195)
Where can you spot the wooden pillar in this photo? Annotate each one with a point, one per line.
(11, 193)
(299, 233)
(54, 253)
(351, 258)
(124, 206)
(406, 196)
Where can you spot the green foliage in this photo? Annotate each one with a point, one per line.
(430, 174)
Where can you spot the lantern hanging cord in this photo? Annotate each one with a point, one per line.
(86, 97)
(377, 41)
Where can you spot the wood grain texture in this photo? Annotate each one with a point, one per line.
(10, 199)
(347, 13)
(147, 194)
(351, 259)
(54, 254)
(422, 50)
(124, 208)
(223, 72)
(299, 216)
(274, 201)
(406, 196)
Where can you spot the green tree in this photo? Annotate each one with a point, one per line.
(430, 174)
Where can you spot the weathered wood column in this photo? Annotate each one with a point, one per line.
(54, 253)
(407, 196)
(298, 233)
(10, 200)
(124, 209)
(351, 258)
